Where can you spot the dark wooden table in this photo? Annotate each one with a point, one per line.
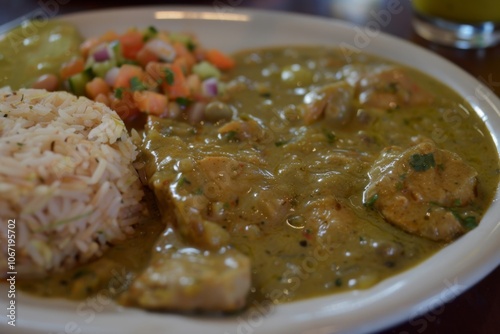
(477, 310)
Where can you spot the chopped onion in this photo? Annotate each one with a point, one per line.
(102, 53)
(210, 87)
(162, 49)
(111, 75)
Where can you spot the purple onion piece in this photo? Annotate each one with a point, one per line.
(210, 87)
(101, 54)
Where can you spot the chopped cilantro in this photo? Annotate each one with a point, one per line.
(152, 30)
(330, 136)
(371, 201)
(422, 162)
(280, 143)
(232, 135)
(190, 45)
(183, 101)
(169, 76)
(136, 84)
(468, 222)
(119, 93)
(338, 282)
(149, 33)
(392, 87)
(183, 180)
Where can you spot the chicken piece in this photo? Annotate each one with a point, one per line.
(333, 102)
(384, 87)
(418, 190)
(389, 88)
(183, 278)
(329, 219)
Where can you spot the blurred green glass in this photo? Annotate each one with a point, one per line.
(459, 23)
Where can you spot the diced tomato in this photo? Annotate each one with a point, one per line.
(170, 77)
(184, 57)
(131, 42)
(72, 67)
(126, 73)
(178, 87)
(219, 59)
(151, 102)
(95, 87)
(145, 56)
(125, 107)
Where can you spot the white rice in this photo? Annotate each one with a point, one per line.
(66, 177)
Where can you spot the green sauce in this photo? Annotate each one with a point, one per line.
(36, 48)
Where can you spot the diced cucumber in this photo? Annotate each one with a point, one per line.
(89, 63)
(117, 52)
(180, 37)
(100, 69)
(78, 81)
(206, 70)
(150, 32)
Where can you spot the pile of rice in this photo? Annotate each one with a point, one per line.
(66, 177)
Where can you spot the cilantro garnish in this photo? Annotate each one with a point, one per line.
(190, 45)
(280, 143)
(422, 162)
(169, 76)
(330, 136)
(468, 222)
(183, 101)
(119, 93)
(371, 201)
(232, 136)
(136, 84)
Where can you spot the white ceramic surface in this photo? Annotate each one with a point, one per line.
(398, 299)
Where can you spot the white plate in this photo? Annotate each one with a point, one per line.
(398, 299)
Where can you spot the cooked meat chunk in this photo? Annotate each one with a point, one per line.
(330, 219)
(390, 88)
(183, 278)
(384, 87)
(333, 102)
(418, 189)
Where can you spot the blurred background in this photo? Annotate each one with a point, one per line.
(357, 11)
